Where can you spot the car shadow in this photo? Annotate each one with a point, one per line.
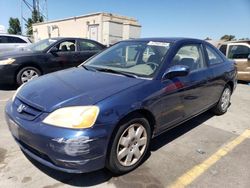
(8, 87)
(243, 82)
(176, 132)
(79, 180)
(103, 175)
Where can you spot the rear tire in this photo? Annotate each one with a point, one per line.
(129, 145)
(224, 102)
(26, 74)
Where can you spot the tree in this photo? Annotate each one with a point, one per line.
(208, 38)
(228, 37)
(14, 26)
(244, 39)
(28, 25)
(35, 18)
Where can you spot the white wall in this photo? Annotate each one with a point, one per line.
(2, 29)
(66, 28)
(111, 28)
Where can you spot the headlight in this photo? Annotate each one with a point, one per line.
(14, 96)
(7, 61)
(77, 117)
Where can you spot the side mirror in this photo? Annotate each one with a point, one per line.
(54, 50)
(176, 70)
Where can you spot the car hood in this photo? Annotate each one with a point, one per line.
(17, 53)
(73, 87)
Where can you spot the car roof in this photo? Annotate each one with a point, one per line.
(12, 35)
(73, 38)
(167, 39)
(236, 42)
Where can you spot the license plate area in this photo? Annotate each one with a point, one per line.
(14, 129)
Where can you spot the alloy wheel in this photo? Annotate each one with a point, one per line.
(132, 145)
(225, 99)
(28, 75)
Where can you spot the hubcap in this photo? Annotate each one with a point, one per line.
(225, 99)
(28, 75)
(132, 145)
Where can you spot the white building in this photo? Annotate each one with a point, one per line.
(105, 28)
(2, 29)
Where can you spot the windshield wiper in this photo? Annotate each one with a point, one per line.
(116, 72)
(89, 68)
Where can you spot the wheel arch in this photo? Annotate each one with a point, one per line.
(231, 85)
(138, 112)
(141, 112)
(29, 64)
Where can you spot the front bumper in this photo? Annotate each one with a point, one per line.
(68, 150)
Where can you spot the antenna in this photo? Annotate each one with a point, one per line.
(28, 6)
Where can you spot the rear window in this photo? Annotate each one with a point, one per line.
(8, 39)
(15, 40)
(238, 52)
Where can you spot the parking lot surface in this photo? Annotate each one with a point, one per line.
(207, 151)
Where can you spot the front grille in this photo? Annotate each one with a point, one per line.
(26, 111)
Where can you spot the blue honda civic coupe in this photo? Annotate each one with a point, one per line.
(105, 112)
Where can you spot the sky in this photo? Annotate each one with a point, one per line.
(159, 18)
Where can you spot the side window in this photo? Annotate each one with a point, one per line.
(88, 46)
(67, 46)
(213, 56)
(191, 56)
(223, 49)
(238, 52)
(15, 40)
(3, 39)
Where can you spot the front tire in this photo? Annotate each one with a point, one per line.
(224, 102)
(26, 74)
(129, 145)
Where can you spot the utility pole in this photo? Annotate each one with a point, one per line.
(29, 6)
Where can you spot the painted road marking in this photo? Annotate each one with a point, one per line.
(199, 169)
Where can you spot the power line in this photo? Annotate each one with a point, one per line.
(29, 6)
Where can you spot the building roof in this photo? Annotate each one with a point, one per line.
(167, 39)
(88, 15)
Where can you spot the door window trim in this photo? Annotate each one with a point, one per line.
(200, 46)
(207, 56)
(61, 41)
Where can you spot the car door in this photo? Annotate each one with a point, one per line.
(65, 54)
(87, 49)
(16, 42)
(193, 87)
(7, 43)
(216, 76)
(239, 53)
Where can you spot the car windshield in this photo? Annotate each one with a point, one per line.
(137, 58)
(41, 45)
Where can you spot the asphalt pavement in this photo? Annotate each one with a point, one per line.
(207, 151)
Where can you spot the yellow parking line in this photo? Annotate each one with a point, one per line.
(199, 169)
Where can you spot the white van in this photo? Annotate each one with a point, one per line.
(10, 42)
